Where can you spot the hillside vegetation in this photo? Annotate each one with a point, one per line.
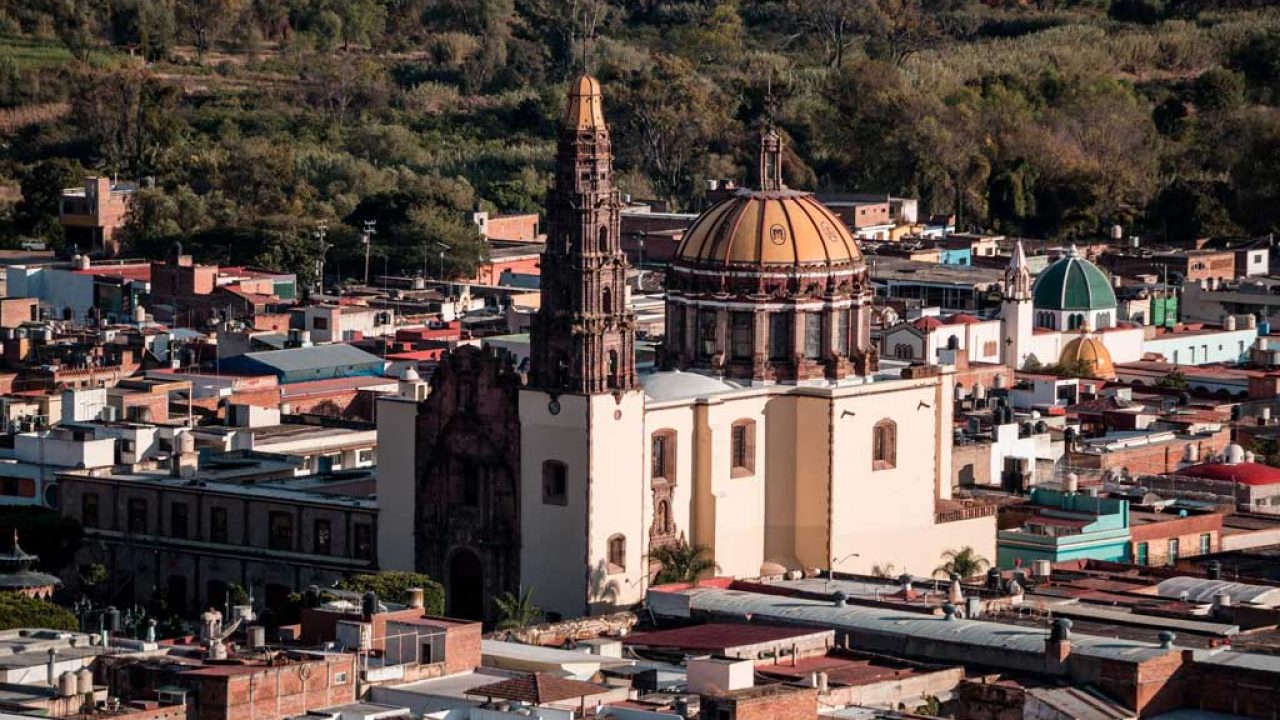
(258, 119)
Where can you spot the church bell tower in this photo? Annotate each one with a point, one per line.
(583, 337)
(1016, 309)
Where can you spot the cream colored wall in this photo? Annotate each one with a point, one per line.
(868, 505)
(736, 503)
(554, 538)
(681, 420)
(1045, 347)
(396, 483)
(918, 550)
(811, 455)
(1124, 345)
(618, 494)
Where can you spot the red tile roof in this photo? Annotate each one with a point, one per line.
(1245, 472)
(926, 323)
(962, 319)
(538, 689)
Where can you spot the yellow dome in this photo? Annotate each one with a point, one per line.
(585, 106)
(776, 227)
(1090, 351)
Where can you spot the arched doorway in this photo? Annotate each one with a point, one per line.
(466, 586)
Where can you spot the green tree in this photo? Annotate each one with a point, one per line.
(1174, 380)
(42, 184)
(1267, 450)
(362, 21)
(20, 611)
(393, 586)
(1259, 60)
(681, 562)
(965, 562)
(1185, 211)
(516, 611)
(207, 20)
(78, 24)
(1219, 89)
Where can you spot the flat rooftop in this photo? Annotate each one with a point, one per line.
(713, 637)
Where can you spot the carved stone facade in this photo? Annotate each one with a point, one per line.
(468, 522)
(583, 337)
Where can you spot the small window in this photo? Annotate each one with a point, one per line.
(617, 554)
(743, 448)
(89, 510)
(555, 483)
(606, 301)
(884, 445)
(218, 525)
(320, 323)
(323, 541)
(339, 678)
(363, 541)
(137, 515)
(1143, 554)
(178, 520)
(1206, 543)
(280, 531)
(1173, 551)
(663, 455)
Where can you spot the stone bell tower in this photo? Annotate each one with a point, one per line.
(583, 337)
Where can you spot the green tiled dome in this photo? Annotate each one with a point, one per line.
(1073, 283)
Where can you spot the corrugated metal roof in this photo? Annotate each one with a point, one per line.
(894, 623)
(1242, 660)
(1202, 590)
(315, 357)
(1080, 704)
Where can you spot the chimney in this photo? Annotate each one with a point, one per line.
(1058, 646)
(415, 598)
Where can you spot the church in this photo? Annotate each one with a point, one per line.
(1068, 315)
(770, 434)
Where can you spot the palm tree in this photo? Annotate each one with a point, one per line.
(516, 612)
(965, 562)
(681, 562)
(882, 570)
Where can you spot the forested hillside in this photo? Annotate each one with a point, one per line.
(258, 119)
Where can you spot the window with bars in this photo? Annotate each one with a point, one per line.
(742, 447)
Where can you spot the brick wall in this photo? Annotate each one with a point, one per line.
(769, 702)
(462, 648)
(278, 692)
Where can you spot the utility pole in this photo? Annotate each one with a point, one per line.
(322, 229)
(367, 236)
(442, 247)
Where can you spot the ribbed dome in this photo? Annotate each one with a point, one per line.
(1092, 353)
(585, 107)
(776, 227)
(1073, 283)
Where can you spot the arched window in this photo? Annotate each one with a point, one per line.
(903, 351)
(664, 517)
(884, 445)
(612, 377)
(617, 554)
(1053, 322)
(1104, 320)
(742, 450)
(1075, 321)
(604, 240)
(606, 301)
(555, 483)
(662, 448)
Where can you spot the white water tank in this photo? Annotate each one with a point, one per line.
(84, 681)
(1234, 454)
(1041, 568)
(67, 684)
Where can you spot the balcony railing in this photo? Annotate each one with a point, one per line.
(956, 510)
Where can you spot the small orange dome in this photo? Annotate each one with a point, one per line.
(775, 227)
(585, 107)
(1089, 350)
